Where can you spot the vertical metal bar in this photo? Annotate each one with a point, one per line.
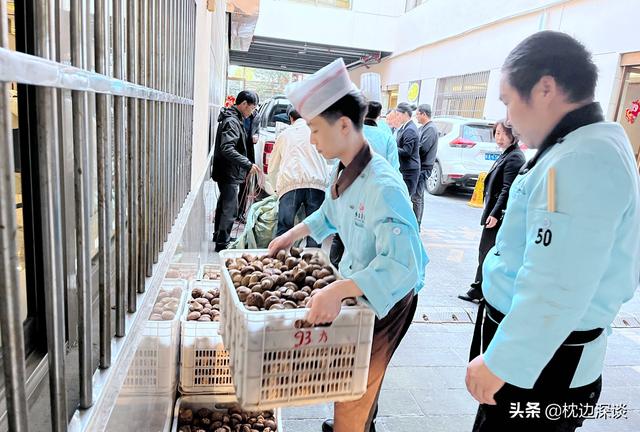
(163, 125)
(83, 202)
(156, 126)
(10, 321)
(192, 53)
(179, 87)
(142, 135)
(167, 185)
(173, 56)
(132, 73)
(120, 162)
(49, 186)
(149, 144)
(185, 137)
(103, 113)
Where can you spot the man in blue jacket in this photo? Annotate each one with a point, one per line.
(566, 256)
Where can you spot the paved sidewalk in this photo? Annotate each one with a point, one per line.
(424, 389)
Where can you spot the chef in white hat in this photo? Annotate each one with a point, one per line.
(367, 204)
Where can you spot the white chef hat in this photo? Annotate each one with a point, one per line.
(319, 91)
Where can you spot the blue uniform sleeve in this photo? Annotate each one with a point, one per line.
(398, 267)
(565, 259)
(392, 152)
(320, 223)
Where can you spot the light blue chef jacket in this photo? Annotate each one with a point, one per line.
(383, 254)
(382, 124)
(383, 143)
(555, 272)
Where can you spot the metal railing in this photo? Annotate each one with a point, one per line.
(142, 91)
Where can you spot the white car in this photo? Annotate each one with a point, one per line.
(466, 147)
(271, 113)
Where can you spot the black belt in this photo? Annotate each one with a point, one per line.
(577, 337)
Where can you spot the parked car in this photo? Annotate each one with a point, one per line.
(271, 112)
(466, 147)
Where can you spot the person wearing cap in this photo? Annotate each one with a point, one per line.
(299, 173)
(368, 205)
(428, 133)
(408, 147)
(565, 258)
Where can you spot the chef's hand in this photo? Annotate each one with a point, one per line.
(481, 382)
(282, 242)
(286, 240)
(325, 305)
(491, 222)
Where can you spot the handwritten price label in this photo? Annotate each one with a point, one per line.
(306, 337)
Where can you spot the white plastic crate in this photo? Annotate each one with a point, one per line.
(153, 367)
(209, 272)
(186, 271)
(214, 403)
(141, 413)
(204, 363)
(276, 364)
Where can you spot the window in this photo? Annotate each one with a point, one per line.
(278, 113)
(478, 133)
(412, 4)
(341, 4)
(443, 127)
(21, 103)
(462, 95)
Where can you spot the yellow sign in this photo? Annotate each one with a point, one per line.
(414, 91)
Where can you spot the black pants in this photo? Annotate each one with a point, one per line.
(487, 241)
(290, 203)
(242, 200)
(551, 388)
(410, 178)
(418, 197)
(225, 213)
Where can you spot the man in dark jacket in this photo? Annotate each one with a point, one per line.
(408, 147)
(231, 164)
(251, 127)
(428, 149)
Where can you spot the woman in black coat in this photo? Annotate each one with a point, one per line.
(496, 193)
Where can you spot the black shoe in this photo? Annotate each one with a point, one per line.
(474, 295)
(221, 246)
(327, 426)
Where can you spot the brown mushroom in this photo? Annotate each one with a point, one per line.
(299, 295)
(243, 292)
(321, 283)
(255, 299)
(271, 301)
(289, 305)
